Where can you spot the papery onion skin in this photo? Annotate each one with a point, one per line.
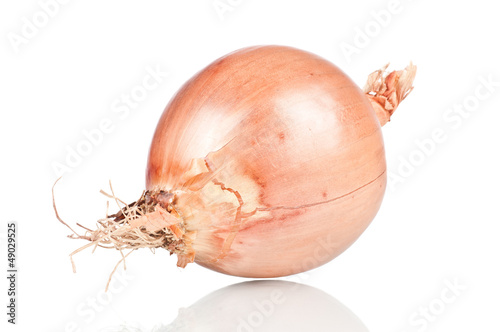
(276, 159)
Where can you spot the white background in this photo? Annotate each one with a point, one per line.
(439, 222)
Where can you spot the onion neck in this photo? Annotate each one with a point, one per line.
(386, 90)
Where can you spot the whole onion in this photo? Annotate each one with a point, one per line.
(268, 162)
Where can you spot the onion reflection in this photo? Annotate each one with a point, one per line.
(269, 305)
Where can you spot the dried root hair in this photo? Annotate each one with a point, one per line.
(150, 222)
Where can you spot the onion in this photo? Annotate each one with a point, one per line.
(268, 162)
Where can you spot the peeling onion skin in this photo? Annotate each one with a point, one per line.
(276, 159)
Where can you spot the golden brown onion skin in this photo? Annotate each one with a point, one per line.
(294, 156)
